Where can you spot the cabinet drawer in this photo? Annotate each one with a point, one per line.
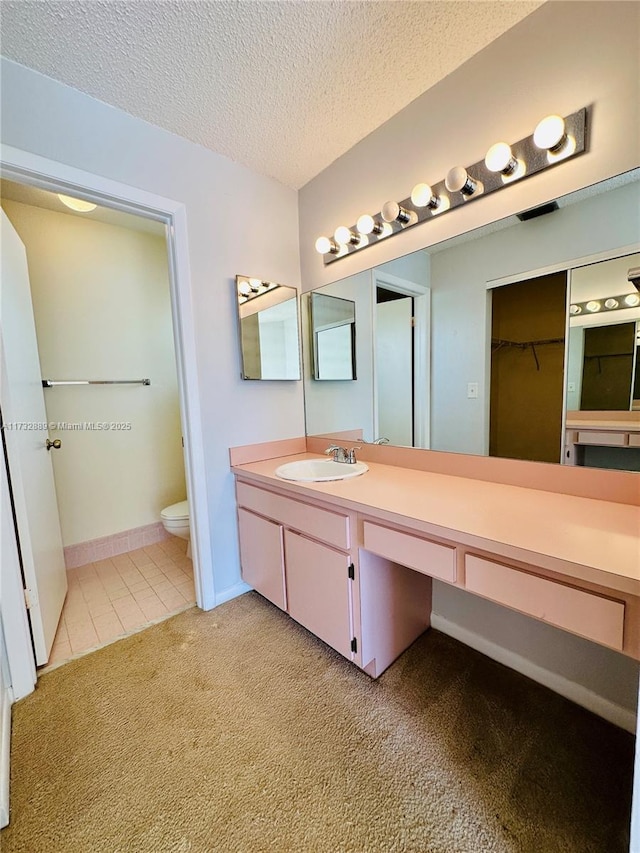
(328, 526)
(430, 558)
(634, 439)
(575, 610)
(606, 439)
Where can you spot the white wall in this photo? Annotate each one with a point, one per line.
(102, 311)
(563, 56)
(237, 222)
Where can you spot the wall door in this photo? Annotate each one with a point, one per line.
(394, 370)
(25, 419)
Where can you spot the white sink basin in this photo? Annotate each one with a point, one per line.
(320, 470)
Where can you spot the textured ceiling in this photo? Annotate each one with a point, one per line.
(282, 87)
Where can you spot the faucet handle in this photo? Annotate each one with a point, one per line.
(351, 454)
(331, 449)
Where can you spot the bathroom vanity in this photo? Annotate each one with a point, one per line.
(353, 560)
(600, 429)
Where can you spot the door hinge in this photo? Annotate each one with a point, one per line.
(27, 599)
(351, 571)
(354, 645)
(413, 322)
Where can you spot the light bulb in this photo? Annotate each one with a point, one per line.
(392, 212)
(459, 180)
(423, 196)
(550, 133)
(575, 309)
(346, 236)
(325, 246)
(244, 287)
(77, 204)
(611, 303)
(500, 158)
(632, 299)
(367, 225)
(593, 306)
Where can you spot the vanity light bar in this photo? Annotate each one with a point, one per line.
(554, 140)
(601, 306)
(248, 288)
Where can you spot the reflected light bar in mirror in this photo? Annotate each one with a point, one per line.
(554, 139)
(611, 303)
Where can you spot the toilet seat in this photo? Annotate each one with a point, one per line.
(176, 514)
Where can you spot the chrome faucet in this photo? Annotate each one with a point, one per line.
(341, 454)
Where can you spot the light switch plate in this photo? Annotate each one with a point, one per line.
(472, 390)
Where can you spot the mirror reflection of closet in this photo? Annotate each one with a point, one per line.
(527, 368)
(269, 329)
(603, 341)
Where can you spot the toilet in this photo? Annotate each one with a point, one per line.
(175, 520)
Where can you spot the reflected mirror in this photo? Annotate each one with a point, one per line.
(603, 385)
(333, 336)
(268, 325)
(497, 356)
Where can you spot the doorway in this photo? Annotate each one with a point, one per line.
(394, 360)
(402, 360)
(36, 171)
(99, 293)
(527, 368)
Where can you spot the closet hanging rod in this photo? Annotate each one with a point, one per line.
(50, 383)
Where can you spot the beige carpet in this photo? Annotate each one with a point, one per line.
(236, 730)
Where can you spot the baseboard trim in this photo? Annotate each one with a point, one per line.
(83, 553)
(5, 755)
(616, 714)
(232, 592)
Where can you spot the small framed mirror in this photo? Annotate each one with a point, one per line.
(333, 332)
(269, 329)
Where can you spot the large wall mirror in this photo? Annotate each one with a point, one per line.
(469, 346)
(268, 327)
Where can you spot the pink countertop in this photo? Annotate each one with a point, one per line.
(590, 540)
(623, 426)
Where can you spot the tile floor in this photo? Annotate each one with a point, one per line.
(114, 597)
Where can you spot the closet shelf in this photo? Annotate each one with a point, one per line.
(499, 343)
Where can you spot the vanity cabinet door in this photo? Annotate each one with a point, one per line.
(261, 556)
(318, 591)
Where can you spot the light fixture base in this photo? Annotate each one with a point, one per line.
(524, 152)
